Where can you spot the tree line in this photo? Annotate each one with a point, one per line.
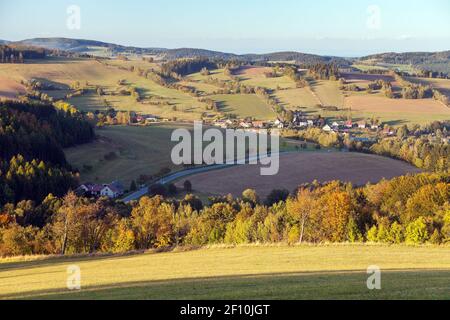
(40, 131)
(184, 67)
(411, 209)
(10, 54)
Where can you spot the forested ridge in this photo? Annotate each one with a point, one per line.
(39, 131)
(32, 161)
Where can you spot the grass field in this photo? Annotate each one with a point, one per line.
(299, 97)
(66, 72)
(245, 272)
(298, 168)
(373, 65)
(254, 76)
(328, 92)
(244, 105)
(397, 111)
(139, 150)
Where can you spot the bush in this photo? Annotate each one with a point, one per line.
(276, 196)
(372, 234)
(294, 235)
(158, 190)
(416, 231)
(396, 233)
(17, 240)
(353, 233)
(172, 189)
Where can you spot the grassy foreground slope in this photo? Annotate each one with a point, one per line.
(247, 272)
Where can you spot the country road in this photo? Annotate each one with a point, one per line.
(184, 173)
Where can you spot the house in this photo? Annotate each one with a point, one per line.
(259, 124)
(320, 122)
(362, 124)
(388, 131)
(112, 190)
(278, 124)
(151, 119)
(349, 124)
(245, 124)
(90, 189)
(303, 124)
(221, 124)
(310, 123)
(335, 124)
(327, 128)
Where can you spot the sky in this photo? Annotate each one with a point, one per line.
(328, 27)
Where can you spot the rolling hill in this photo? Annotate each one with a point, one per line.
(91, 46)
(84, 46)
(434, 61)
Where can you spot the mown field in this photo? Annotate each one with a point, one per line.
(244, 272)
(298, 168)
(91, 74)
(255, 76)
(397, 111)
(244, 105)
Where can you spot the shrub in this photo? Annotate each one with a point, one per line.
(372, 234)
(416, 231)
(396, 233)
(436, 237)
(353, 233)
(294, 235)
(276, 196)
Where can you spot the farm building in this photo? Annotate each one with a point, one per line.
(112, 190)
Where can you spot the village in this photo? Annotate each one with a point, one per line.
(299, 121)
(358, 131)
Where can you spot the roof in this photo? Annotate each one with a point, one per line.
(92, 187)
(116, 186)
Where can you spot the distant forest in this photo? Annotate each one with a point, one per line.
(10, 54)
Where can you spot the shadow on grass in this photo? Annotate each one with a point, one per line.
(396, 284)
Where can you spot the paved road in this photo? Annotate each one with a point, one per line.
(181, 174)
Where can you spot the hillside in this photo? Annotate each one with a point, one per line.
(245, 272)
(434, 61)
(83, 46)
(92, 46)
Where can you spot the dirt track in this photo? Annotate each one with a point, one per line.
(298, 168)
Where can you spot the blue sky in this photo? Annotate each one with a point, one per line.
(346, 27)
